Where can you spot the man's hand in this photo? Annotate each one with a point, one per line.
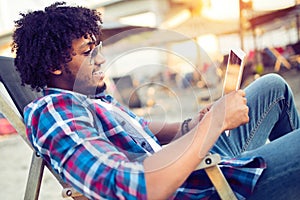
(197, 118)
(204, 111)
(231, 110)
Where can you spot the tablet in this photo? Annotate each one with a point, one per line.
(234, 71)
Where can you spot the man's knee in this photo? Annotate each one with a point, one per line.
(272, 80)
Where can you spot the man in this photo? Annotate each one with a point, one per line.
(105, 151)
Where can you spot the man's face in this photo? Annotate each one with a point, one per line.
(84, 73)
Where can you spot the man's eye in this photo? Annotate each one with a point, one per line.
(87, 53)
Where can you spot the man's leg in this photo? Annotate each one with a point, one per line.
(281, 178)
(272, 113)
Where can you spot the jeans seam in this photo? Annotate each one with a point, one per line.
(253, 132)
(290, 119)
(288, 111)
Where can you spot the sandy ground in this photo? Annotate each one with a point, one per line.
(15, 155)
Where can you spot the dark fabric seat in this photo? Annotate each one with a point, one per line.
(14, 97)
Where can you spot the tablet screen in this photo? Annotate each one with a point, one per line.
(234, 71)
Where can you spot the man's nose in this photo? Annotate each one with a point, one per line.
(99, 59)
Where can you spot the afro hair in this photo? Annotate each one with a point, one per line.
(42, 40)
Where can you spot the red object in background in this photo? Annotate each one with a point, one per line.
(6, 128)
(280, 50)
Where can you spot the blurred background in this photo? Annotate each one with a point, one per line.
(200, 33)
(165, 59)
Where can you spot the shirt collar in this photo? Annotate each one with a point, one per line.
(49, 91)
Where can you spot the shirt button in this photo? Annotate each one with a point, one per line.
(143, 144)
(123, 123)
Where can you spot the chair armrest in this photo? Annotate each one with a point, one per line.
(209, 161)
(210, 165)
(70, 192)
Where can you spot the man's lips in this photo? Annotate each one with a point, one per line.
(98, 74)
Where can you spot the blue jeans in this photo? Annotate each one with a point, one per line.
(273, 116)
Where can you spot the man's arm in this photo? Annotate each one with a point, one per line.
(167, 132)
(167, 169)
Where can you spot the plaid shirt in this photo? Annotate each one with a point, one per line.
(90, 149)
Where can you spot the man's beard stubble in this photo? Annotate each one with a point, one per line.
(100, 89)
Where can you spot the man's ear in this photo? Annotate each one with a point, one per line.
(56, 72)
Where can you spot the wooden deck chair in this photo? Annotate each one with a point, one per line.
(280, 60)
(11, 106)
